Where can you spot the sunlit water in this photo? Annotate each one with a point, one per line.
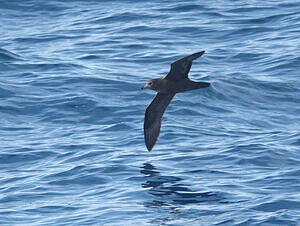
(71, 125)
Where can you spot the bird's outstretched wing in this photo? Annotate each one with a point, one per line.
(153, 116)
(181, 68)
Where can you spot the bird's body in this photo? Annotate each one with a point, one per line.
(169, 86)
(176, 81)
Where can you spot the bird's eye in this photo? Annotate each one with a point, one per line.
(150, 83)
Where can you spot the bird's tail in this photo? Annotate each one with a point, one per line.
(202, 84)
(190, 85)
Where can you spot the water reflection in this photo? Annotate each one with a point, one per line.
(169, 190)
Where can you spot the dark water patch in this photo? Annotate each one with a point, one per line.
(275, 87)
(283, 66)
(46, 38)
(82, 180)
(185, 112)
(124, 17)
(75, 104)
(296, 142)
(21, 128)
(289, 4)
(273, 19)
(278, 205)
(21, 158)
(67, 173)
(101, 153)
(40, 67)
(73, 147)
(50, 209)
(15, 179)
(250, 9)
(252, 31)
(42, 7)
(7, 56)
(98, 44)
(5, 93)
(29, 110)
(140, 29)
(186, 30)
(134, 46)
(247, 57)
(182, 8)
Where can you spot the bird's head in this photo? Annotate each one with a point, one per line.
(152, 84)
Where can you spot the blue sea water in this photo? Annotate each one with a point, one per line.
(71, 126)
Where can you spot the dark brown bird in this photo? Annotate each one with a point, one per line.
(176, 81)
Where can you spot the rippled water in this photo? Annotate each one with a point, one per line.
(72, 146)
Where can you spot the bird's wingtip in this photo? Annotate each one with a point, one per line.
(149, 147)
(194, 56)
(202, 52)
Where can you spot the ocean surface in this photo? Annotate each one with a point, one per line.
(71, 113)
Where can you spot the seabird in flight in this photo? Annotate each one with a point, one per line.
(176, 81)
